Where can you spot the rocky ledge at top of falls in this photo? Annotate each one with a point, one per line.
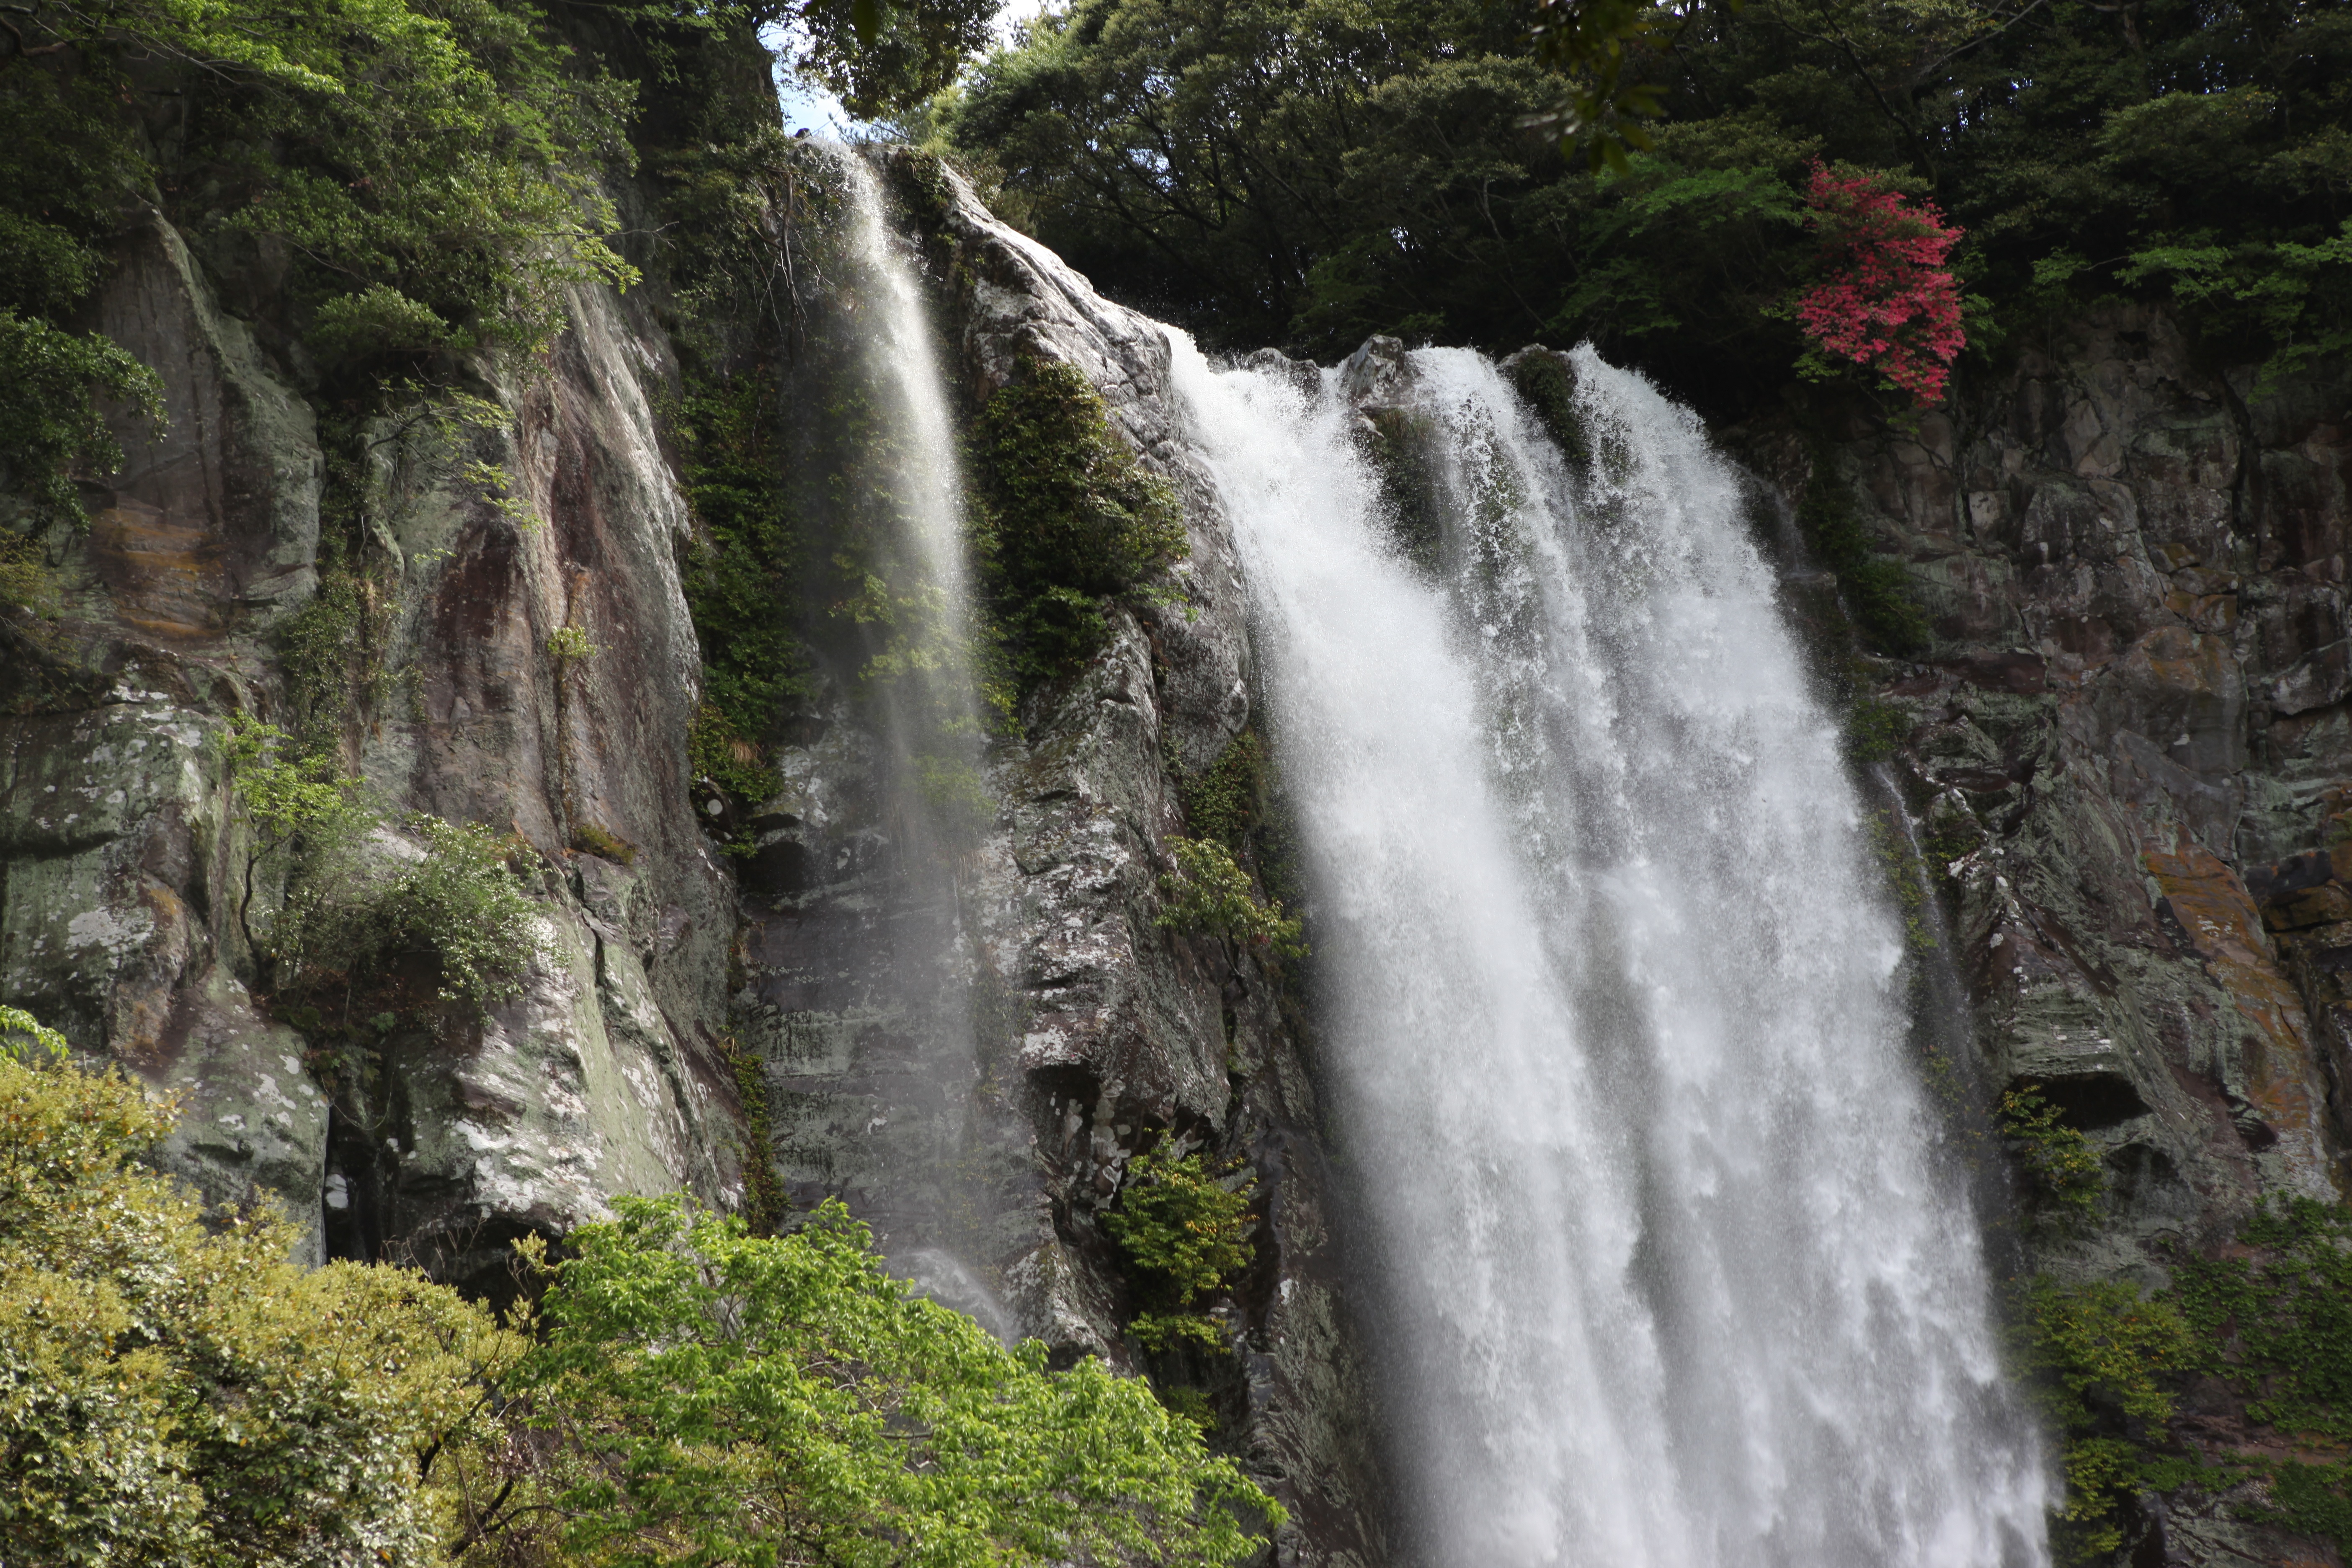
(2133, 738)
(122, 859)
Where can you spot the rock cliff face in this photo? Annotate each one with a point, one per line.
(2131, 753)
(970, 1059)
(980, 1108)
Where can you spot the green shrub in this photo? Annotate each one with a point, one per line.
(1221, 804)
(26, 579)
(2104, 1359)
(2062, 1170)
(1876, 731)
(1210, 894)
(1185, 1231)
(2278, 1325)
(569, 645)
(713, 1396)
(353, 918)
(1876, 591)
(378, 321)
(174, 1393)
(50, 429)
(740, 580)
(1064, 519)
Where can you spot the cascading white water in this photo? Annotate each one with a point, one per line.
(1671, 1279)
(926, 482)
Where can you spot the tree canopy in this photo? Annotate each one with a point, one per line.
(1307, 172)
(175, 1394)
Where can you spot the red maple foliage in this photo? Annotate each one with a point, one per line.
(1889, 303)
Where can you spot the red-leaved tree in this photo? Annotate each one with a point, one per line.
(1887, 302)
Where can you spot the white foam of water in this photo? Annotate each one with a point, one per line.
(1610, 1005)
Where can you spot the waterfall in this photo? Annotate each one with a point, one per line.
(884, 486)
(1669, 1275)
(929, 586)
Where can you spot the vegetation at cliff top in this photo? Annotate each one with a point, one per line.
(173, 1392)
(1307, 172)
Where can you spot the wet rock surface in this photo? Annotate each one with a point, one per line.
(2129, 754)
(968, 1047)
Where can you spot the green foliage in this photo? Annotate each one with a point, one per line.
(1210, 894)
(1311, 171)
(1221, 805)
(717, 753)
(2272, 1320)
(1184, 1229)
(764, 1203)
(329, 652)
(703, 1395)
(1876, 731)
(2062, 1170)
(897, 55)
(351, 921)
(741, 573)
(1064, 519)
(569, 645)
(26, 581)
(2103, 1357)
(356, 914)
(50, 429)
(2279, 1326)
(1875, 591)
(1900, 867)
(176, 1394)
(24, 1039)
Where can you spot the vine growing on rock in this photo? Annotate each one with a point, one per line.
(2271, 1320)
(1064, 521)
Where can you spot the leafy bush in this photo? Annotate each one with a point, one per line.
(703, 1394)
(1876, 731)
(1887, 301)
(1210, 894)
(351, 920)
(1185, 1229)
(2103, 1357)
(1064, 519)
(177, 1394)
(1875, 591)
(50, 430)
(2062, 1170)
(1221, 804)
(739, 579)
(2278, 1325)
(356, 912)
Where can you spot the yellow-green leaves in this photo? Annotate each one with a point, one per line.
(1210, 894)
(1185, 1229)
(707, 1396)
(174, 1394)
